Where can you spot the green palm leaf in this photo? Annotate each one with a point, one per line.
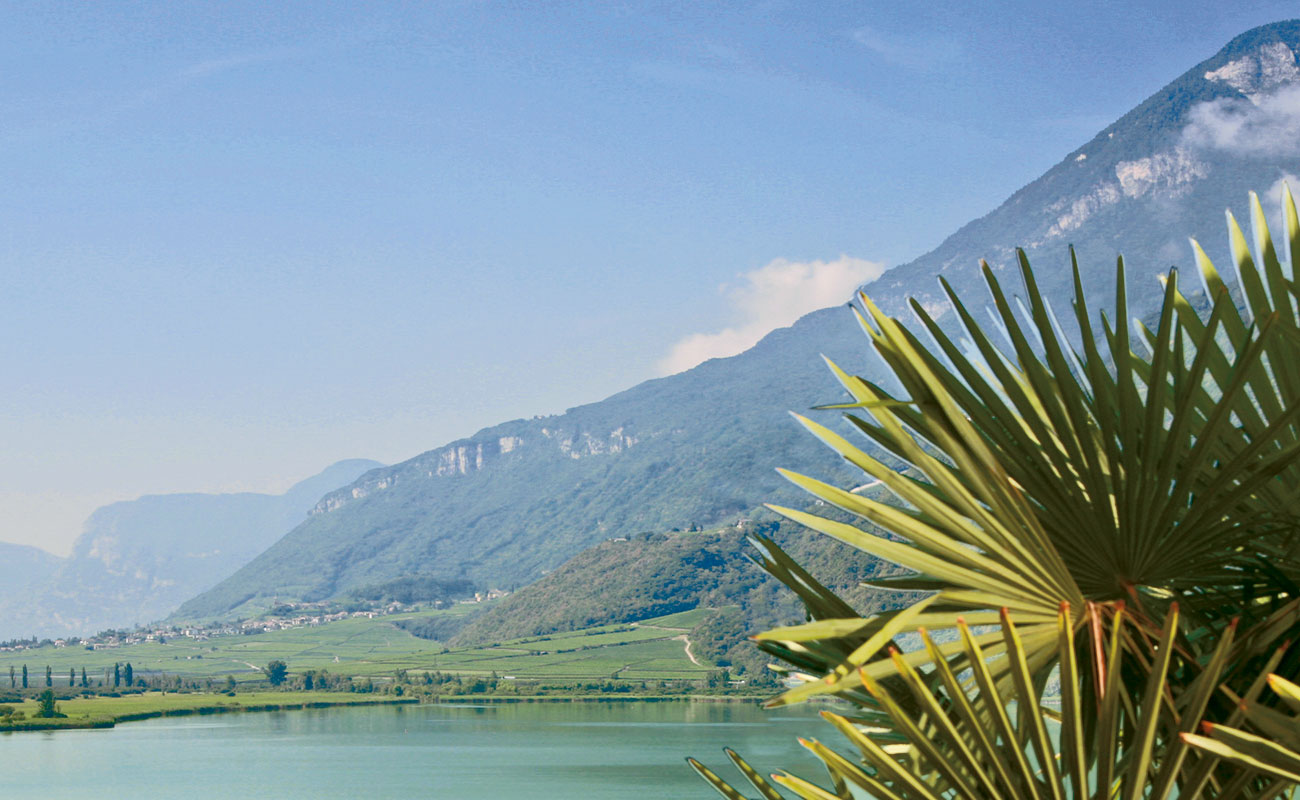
(1046, 472)
(1138, 514)
(964, 737)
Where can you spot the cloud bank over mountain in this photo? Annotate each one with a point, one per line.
(772, 296)
(1265, 125)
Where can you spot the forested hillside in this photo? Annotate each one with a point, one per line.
(649, 575)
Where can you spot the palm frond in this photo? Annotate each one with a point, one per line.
(1057, 470)
(962, 736)
(1138, 515)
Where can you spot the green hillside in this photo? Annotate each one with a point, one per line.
(634, 580)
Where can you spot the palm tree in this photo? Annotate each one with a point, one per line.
(1144, 503)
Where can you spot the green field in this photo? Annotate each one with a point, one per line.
(361, 647)
(105, 711)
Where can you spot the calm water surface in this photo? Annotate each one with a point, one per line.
(545, 750)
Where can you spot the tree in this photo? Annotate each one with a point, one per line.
(1135, 514)
(13, 677)
(230, 683)
(128, 674)
(117, 675)
(49, 676)
(276, 671)
(72, 676)
(24, 676)
(84, 682)
(45, 706)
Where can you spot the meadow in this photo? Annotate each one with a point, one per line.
(359, 647)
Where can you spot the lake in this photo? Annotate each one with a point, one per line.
(542, 750)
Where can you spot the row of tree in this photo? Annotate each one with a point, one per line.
(120, 674)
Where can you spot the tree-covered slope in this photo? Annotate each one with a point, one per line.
(506, 505)
(629, 580)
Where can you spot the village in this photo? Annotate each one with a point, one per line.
(281, 616)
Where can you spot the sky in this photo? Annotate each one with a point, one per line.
(242, 241)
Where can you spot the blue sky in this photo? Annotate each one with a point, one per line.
(242, 241)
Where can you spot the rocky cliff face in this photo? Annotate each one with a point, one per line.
(466, 457)
(508, 504)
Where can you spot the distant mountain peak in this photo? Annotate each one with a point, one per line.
(1225, 126)
(1268, 67)
(137, 560)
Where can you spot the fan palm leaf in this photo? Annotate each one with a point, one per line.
(1138, 514)
(962, 736)
(1045, 469)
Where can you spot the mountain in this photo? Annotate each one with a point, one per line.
(136, 561)
(1161, 173)
(21, 569)
(19, 562)
(506, 505)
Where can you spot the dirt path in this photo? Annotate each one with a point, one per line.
(689, 654)
(679, 638)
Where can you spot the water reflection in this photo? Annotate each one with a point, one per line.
(463, 751)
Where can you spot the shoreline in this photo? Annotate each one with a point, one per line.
(96, 723)
(479, 699)
(105, 722)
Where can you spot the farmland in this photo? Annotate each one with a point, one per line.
(360, 647)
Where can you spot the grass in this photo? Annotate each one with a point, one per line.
(96, 712)
(361, 647)
(682, 620)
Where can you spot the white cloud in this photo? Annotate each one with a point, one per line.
(915, 51)
(1265, 125)
(215, 66)
(770, 297)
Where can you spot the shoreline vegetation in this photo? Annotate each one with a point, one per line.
(107, 712)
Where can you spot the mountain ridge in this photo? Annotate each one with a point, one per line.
(513, 501)
(1088, 184)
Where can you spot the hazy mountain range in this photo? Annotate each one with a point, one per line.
(137, 560)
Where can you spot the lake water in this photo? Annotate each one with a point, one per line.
(544, 750)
